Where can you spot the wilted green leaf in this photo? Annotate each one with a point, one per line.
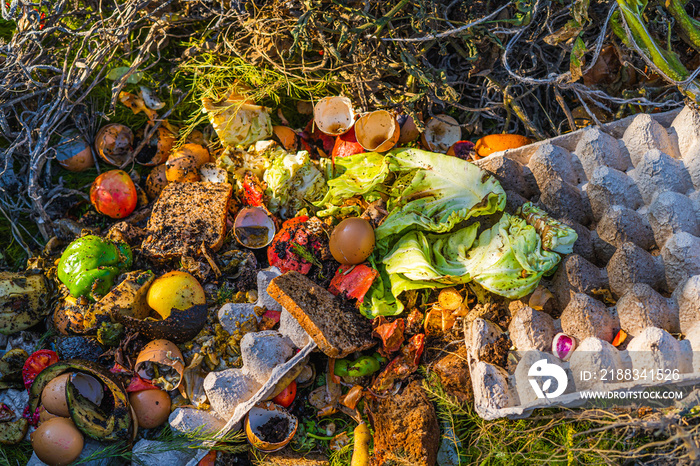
(577, 59)
(117, 73)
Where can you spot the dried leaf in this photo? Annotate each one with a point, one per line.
(352, 397)
(391, 334)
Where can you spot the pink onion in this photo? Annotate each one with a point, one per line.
(563, 345)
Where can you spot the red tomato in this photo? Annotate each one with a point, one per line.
(37, 362)
(113, 194)
(286, 396)
(280, 252)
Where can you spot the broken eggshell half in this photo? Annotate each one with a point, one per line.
(114, 143)
(377, 131)
(409, 130)
(157, 149)
(258, 416)
(210, 173)
(563, 345)
(253, 228)
(334, 115)
(73, 153)
(156, 181)
(441, 132)
(164, 357)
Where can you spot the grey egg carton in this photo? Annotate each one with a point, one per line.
(631, 190)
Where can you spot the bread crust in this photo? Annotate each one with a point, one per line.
(337, 330)
(185, 216)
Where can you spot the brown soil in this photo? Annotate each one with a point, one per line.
(274, 430)
(497, 352)
(405, 425)
(453, 371)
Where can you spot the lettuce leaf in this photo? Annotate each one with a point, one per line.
(359, 174)
(443, 192)
(426, 191)
(556, 236)
(507, 260)
(238, 122)
(292, 180)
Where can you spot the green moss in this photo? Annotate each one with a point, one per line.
(15, 455)
(7, 28)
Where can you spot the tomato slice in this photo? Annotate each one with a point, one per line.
(280, 252)
(354, 280)
(286, 396)
(37, 362)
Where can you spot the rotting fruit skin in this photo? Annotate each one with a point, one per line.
(113, 193)
(89, 266)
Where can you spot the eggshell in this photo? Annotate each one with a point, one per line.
(53, 398)
(156, 181)
(352, 241)
(181, 169)
(162, 141)
(162, 352)
(114, 143)
(409, 130)
(73, 153)
(152, 407)
(45, 415)
(183, 163)
(377, 131)
(441, 132)
(57, 442)
(334, 115)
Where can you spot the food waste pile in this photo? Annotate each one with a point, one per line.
(296, 285)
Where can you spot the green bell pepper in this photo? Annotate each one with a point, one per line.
(362, 366)
(89, 265)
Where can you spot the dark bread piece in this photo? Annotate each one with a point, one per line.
(184, 216)
(337, 330)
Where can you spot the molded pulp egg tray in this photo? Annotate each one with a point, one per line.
(631, 190)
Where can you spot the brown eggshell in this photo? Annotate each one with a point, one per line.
(152, 407)
(199, 152)
(114, 143)
(45, 415)
(182, 169)
(73, 153)
(352, 241)
(258, 416)
(409, 130)
(53, 398)
(162, 352)
(377, 131)
(156, 181)
(162, 142)
(57, 442)
(183, 163)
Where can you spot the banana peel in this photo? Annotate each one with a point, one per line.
(128, 297)
(106, 423)
(24, 301)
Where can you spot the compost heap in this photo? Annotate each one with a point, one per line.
(180, 297)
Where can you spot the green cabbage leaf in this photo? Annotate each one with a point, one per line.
(506, 259)
(292, 182)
